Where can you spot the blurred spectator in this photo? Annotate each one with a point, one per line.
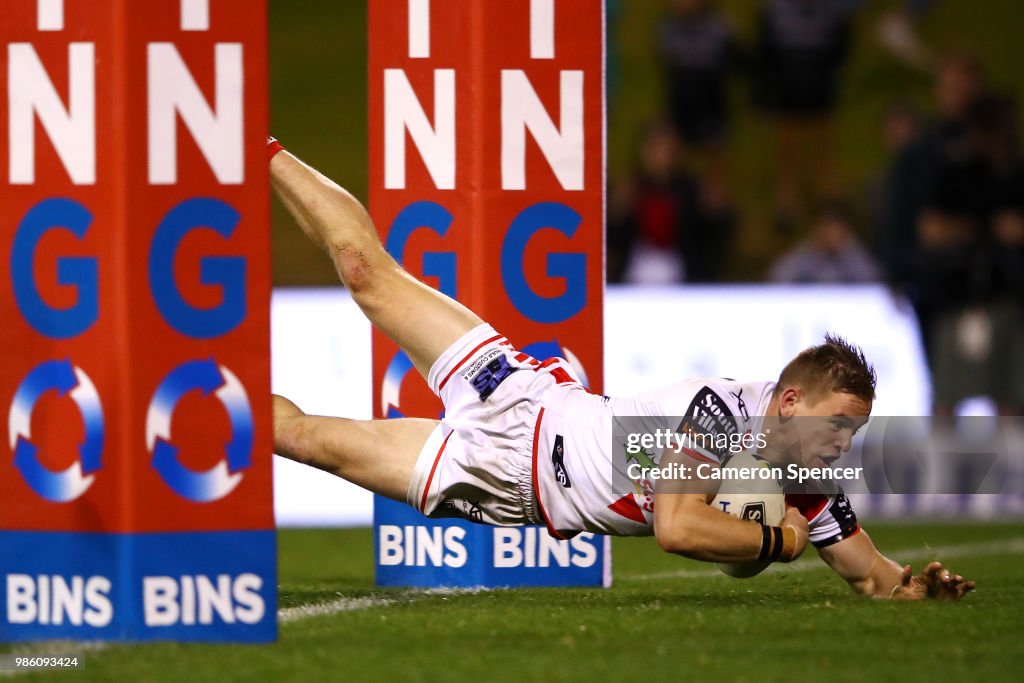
(971, 280)
(831, 255)
(659, 227)
(910, 180)
(803, 47)
(892, 206)
(959, 82)
(697, 49)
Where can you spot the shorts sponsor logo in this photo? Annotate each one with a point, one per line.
(557, 461)
(489, 377)
(460, 509)
(481, 361)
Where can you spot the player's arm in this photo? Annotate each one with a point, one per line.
(870, 573)
(686, 525)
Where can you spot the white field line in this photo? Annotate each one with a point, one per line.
(289, 614)
(1011, 546)
(343, 604)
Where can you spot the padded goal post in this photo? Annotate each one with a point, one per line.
(487, 181)
(134, 249)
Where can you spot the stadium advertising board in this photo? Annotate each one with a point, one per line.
(135, 297)
(487, 181)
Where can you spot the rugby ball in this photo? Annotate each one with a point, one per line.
(748, 492)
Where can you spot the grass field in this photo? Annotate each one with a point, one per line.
(664, 619)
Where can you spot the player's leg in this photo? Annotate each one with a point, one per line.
(419, 319)
(378, 455)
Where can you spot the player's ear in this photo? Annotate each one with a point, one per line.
(788, 400)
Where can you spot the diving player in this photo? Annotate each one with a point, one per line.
(522, 442)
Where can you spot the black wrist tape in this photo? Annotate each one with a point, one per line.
(771, 543)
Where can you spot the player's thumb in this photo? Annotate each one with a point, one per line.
(794, 519)
(795, 535)
(908, 573)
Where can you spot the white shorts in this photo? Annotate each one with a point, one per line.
(478, 463)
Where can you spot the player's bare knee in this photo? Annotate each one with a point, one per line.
(358, 268)
(284, 408)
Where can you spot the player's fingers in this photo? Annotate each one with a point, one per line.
(955, 582)
(908, 573)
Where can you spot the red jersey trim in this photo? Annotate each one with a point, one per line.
(536, 482)
(430, 477)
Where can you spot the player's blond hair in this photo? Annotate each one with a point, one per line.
(834, 366)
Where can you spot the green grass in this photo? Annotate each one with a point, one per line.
(783, 625)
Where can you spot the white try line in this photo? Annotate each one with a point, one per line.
(343, 604)
(1013, 546)
(299, 613)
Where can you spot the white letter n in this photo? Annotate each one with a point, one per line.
(173, 91)
(521, 109)
(436, 144)
(72, 130)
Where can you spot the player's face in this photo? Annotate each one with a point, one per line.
(825, 428)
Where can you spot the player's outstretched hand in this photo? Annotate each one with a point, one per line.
(935, 582)
(794, 520)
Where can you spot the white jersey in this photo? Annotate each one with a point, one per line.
(581, 466)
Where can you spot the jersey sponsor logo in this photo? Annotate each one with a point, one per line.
(491, 375)
(709, 415)
(557, 455)
(753, 512)
(842, 511)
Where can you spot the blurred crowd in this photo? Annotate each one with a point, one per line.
(942, 221)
